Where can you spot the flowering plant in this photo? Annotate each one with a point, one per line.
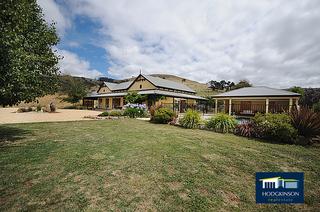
(135, 110)
(138, 106)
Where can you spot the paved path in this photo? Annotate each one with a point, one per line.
(9, 115)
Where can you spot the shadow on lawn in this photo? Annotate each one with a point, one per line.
(12, 134)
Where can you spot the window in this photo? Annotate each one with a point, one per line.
(140, 86)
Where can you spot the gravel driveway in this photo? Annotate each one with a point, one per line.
(9, 115)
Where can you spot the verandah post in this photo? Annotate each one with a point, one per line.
(173, 103)
(290, 104)
(216, 106)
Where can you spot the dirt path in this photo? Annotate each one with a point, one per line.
(9, 115)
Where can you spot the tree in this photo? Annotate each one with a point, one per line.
(297, 89)
(75, 89)
(134, 97)
(28, 65)
(316, 107)
(241, 84)
(222, 85)
(310, 97)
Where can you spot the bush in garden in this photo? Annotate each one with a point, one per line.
(135, 110)
(52, 107)
(191, 119)
(245, 129)
(316, 107)
(38, 108)
(105, 113)
(221, 122)
(275, 126)
(152, 110)
(307, 123)
(163, 115)
(115, 113)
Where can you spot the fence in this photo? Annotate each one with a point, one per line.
(251, 109)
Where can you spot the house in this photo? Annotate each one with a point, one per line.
(278, 182)
(250, 100)
(159, 91)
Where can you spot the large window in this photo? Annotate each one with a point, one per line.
(116, 103)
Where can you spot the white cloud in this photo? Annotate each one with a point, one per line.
(55, 13)
(273, 43)
(72, 64)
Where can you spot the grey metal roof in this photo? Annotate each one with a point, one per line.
(108, 94)
(159, 82)
(259, 91)
(171, 94)
(158, 92)
(118, 86)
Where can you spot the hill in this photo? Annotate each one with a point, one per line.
(93, 85)
(201, 88)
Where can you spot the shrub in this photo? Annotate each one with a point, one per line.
(306, 121)
(275, 126)
(135, 110)
(191, 119)
(316, 107)
(39, 108)
(115, 113)
(163, 115)
(152, 111)
(53, 107)
(245, 129)
(221, 123)
(105, 113)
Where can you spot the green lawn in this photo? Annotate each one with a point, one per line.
(135, 165)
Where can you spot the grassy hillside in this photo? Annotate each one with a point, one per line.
(93, 85)
(201, 88)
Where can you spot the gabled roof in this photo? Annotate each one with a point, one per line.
(259, 91)
(118, 86)
(156, 81)
(159, 82)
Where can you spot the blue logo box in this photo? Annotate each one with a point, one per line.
(279, 187)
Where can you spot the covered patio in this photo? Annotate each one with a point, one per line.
(251, 100)
(178, 102)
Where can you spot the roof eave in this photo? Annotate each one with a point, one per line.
(239, 96)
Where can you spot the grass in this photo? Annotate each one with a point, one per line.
(134, 165)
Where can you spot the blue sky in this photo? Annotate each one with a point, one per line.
(268, 42)
(83, 39)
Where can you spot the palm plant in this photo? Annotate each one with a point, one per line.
(221, 123)
(191, 119)
(306, 121)
(245, 129)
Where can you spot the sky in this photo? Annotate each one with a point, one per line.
(273, 43)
